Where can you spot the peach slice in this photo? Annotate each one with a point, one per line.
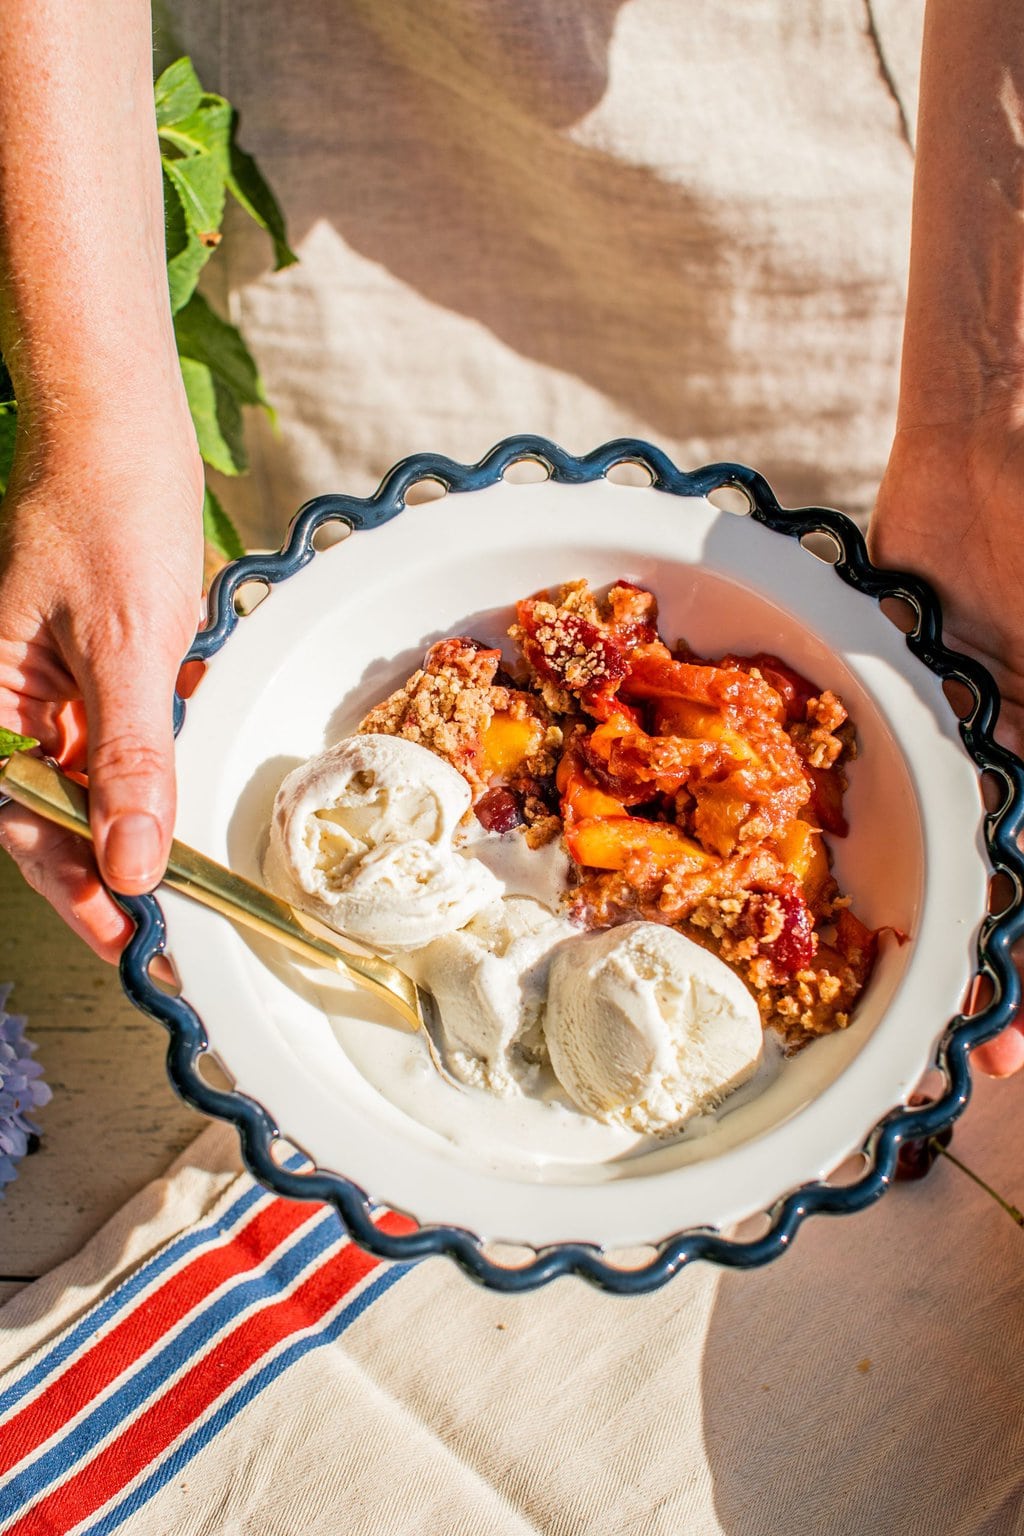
(507, 743)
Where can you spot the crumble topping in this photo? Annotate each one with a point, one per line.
(688, 792)
(816, 739)
(446, 706)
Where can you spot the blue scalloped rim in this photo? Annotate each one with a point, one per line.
(998, 932)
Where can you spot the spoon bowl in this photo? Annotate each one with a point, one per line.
(40, 786)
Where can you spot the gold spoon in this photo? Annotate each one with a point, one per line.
(40, 786)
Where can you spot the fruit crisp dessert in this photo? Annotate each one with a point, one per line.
(689, 792)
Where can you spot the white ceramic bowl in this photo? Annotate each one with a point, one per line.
(337, 636)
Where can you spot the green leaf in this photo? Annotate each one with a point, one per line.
(202, 335)
(200, 161)
(186, 253)
(177, 92)
(217, 417)
(199, 183)
(206, 131)
(8, 430)
(220, 532)
(10, 742)
(183, 270)
(246, 184)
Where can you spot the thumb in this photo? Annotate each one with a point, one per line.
(128, 704)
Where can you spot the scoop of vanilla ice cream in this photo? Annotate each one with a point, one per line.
(645, 1028)
(361, 837)
(490, 982)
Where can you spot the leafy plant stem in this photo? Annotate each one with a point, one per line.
(1011, 1210)
(202, 163)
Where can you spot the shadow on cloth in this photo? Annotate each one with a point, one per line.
(646, 285)
(843, 1394)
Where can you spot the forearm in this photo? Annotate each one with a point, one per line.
(84, 313)
(963, 349)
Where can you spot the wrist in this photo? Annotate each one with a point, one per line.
(959, 379)
(952, 488)
(962, 440)
(99, 370)
(108, 443)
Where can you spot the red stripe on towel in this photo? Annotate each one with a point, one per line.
(151, 1316)
(156, 1428)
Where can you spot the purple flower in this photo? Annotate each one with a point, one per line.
(21, 1091)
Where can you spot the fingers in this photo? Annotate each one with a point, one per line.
(1004, 1055)
(31, 717)
(59, 865)
(71, 746)
(128, 705)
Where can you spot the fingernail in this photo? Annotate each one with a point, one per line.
(132, 850)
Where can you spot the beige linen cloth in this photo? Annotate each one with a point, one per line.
(869, 1383)
(685, 220)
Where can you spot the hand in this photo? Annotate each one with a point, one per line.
(951, 508)
(101, 555)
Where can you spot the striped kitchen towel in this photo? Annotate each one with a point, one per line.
(222, 1362)
(100, 1418)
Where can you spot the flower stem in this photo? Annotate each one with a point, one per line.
(1011, 1210)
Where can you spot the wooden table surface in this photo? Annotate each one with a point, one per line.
(114, 1121)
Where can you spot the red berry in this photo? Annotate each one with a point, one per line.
(568, 650)
(499, 810)
(915, 1158)
(794, 948)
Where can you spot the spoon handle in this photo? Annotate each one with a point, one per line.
(42, 788)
